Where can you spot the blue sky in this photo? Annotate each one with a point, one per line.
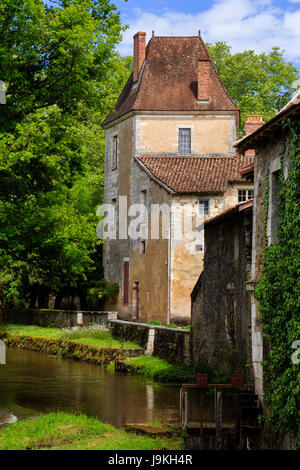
(244, 24)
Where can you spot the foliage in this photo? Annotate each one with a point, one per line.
(104, 289)
(155, 322)
(258, 83)
(62, 75)
(160, 370)
(172, 325)
(278, 293)
(94, 331)
(55, 54)
(66, 431)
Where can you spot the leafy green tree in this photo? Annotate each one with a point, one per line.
(258, 83)
(55, 55)
(62, 74)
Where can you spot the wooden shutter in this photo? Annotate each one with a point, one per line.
(126, 283)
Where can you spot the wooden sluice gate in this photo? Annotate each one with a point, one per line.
(228, 415)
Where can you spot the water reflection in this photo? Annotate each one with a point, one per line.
(33, 383)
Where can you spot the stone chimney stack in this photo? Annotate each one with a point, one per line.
(203, 80)
(252, 123)
(139, 53)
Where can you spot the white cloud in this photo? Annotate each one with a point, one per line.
(244, 24)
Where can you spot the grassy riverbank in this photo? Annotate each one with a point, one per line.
(89, 336)
(65, 431)
(159, 369)
(61, 342)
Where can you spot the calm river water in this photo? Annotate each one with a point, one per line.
(32, 383)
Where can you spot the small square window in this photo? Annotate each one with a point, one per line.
(185, 141)
(115, 149)
(203, 208)
(144, 197)
(245, 194)
(143, 247)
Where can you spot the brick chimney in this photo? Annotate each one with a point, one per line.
(139, 53)
(253, 122)
(203, 80)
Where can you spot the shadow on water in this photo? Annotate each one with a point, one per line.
(33, 383)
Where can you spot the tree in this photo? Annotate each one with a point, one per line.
(62, 72)
(258, 83)
(55, 55)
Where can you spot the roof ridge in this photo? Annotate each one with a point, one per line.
(148, 47)
(233, 157)
(174, 37)
(218, 75)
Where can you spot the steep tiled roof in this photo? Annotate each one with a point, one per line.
(194, 174)
(168, 80)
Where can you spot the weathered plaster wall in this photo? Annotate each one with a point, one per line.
(210, 133)
(149, 269)
(186, 257)
(221, 307)
(117, 183)
(231, 195)
(164, 285)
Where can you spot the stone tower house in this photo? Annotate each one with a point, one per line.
(168, 142)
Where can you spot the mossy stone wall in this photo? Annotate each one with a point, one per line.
(169, 343)
(56, 318)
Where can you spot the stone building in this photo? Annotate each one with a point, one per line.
(268, 143)
(169, 142)
(221, 304)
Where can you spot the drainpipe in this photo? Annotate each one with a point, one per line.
(169, 265)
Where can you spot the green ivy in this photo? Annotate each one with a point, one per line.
(278, 293)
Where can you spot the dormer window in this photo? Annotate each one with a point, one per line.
(114, 162)
(185, 141)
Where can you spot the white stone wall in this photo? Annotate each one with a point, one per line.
(186, 257)
(211, 134)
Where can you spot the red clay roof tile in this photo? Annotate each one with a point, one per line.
(169, 80)
(192, 173)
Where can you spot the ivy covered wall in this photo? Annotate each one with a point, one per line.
(278, 293)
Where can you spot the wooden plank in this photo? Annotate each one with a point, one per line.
(217, 386)
(209, 426)
(219, 419)
(184, 408)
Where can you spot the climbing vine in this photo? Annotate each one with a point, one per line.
(278, 293)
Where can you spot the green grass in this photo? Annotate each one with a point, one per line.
(89, 336)
(64, 431)
(160, 370)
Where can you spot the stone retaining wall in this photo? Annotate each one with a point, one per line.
(58, 318)
(172, 344)
(69, 349)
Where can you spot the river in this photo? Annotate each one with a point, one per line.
(33, 383)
